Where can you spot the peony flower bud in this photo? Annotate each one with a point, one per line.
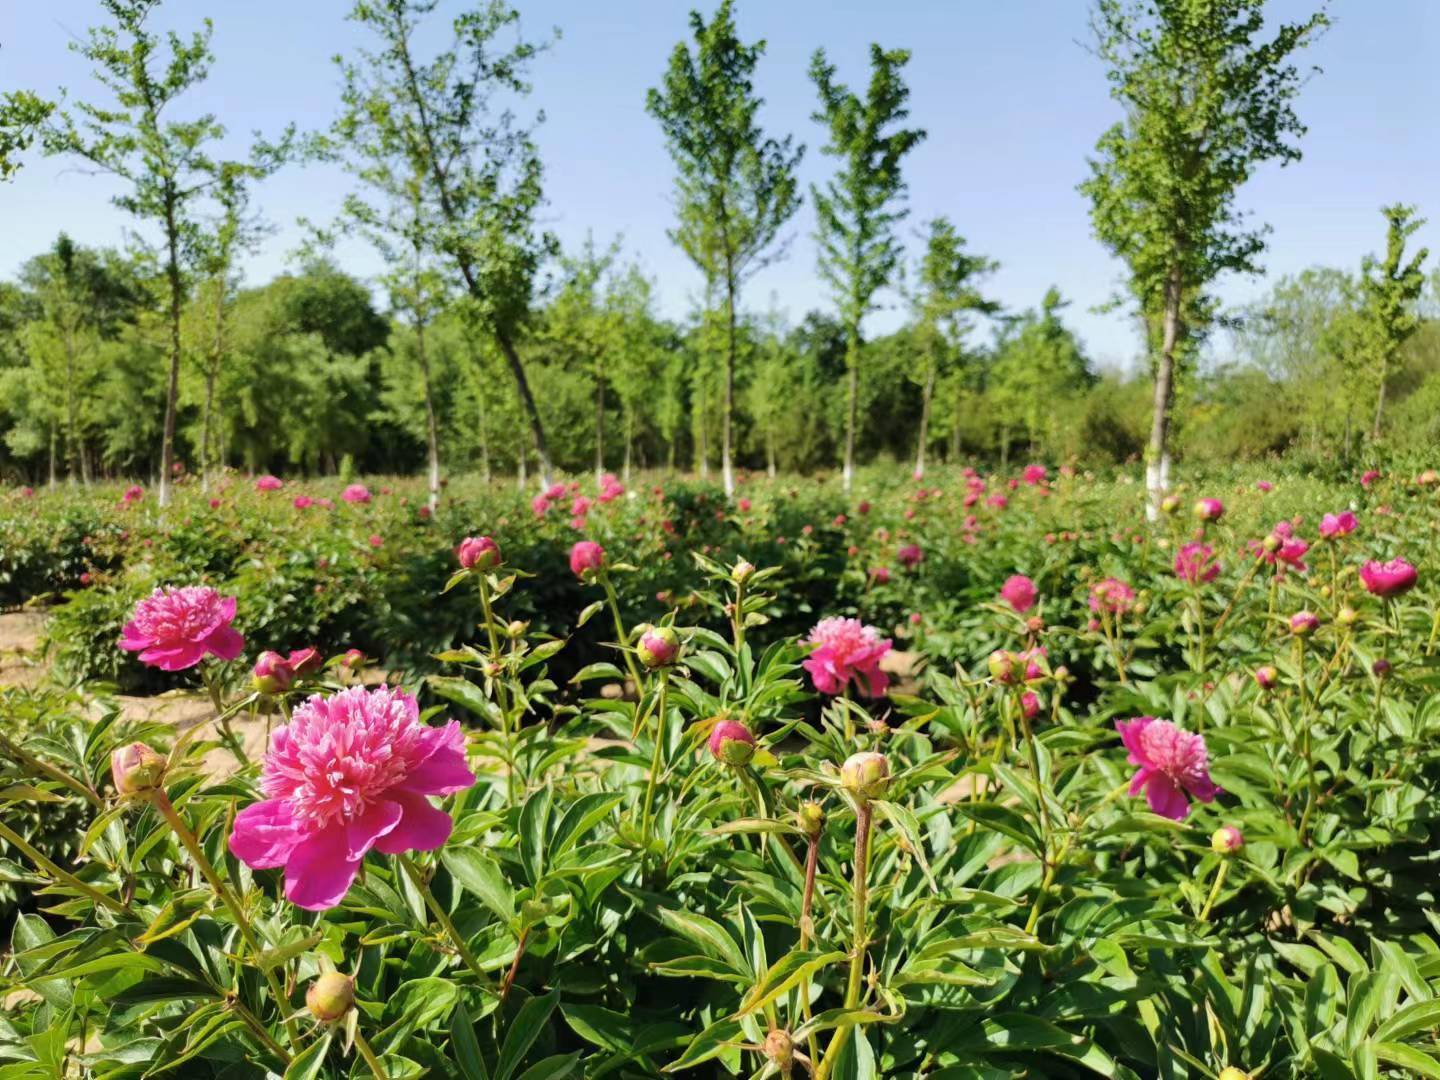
(1230, 1072)
(865, 775)
(1209, 510)
(1381, 668)
(1169, 504)
(1266, 677)
(1347, 616)
(330, 997)
(1226, 840)
(272, 673)
(478, 553)
(306, 661)
(658, 647)
(136, 768)
(1002, 667)
(516, 628)
(1271, 543)
(811, 818)
(586, 558)
(732, 743)
(742, 571)
(353, 660)
(1030, 704)
(1303, 623)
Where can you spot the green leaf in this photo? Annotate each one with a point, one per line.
(580, 817)
(709, 935)
(1001, 819)
(534, 818)
(1407, 1057)
(788, 972)
(310, 1062)
(481, 876)
(465, 694)
(523, 1031)
(464, 1047)
(711, 1042)
(599, 670)
(909, 826)
(591, 610)
(553, 1067)
(282, 954)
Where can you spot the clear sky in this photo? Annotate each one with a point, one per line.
(1010, 97)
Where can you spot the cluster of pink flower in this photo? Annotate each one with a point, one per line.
(268, 483)
(133, 494)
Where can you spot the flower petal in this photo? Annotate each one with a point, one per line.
(378, 819)
(1166, 798)
(264, 834)
(318, 874)
(444, 772)
(173, 657)
(422, 828)
(226, 642)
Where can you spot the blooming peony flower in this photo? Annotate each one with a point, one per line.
(269, 483)
(909, 556)
(1174, 765)
(1368, 477)
(1112, 595)
(347, 774)
(303, 502)
(1195, 563)
(173, 629)
(1388, 579)
(1019, 592)
(356, 493)
(846, 650)
(1035, 474)
(586, 557)
(1341, 524)
(1264, 486)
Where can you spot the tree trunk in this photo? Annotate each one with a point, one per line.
(702, 441)
(432, 429)
(1157, 466)
(599, 425)
(212, 373)
(527, 399)
(52, 456)
(172, 388)
(1004, 447)
(1380, 399)
(629, 442)
(852, 407)
(484, 442)
(770, 453)
(925, 395)
(72, 448)
(727, 463)
(520, 479)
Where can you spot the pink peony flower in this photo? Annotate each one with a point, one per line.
(1195, 563)
(1019, 592)
(356, 493)
(846, 650)
(1112, 595)
(1209, 509)
(173, 629)
(1388, 579)
(1174, 765)
(1264, 486)
(554, 492)
(1341, 524)
(580, 506)
(478, 551)
(1030, 704)
(1035, 474)
(269, 483)
(586, 557)
(880, 575)
(731, 743)
(1368, 477)
(306, 661)
(540, 505)
(1304, 622)
(347, 774)
(910, 556)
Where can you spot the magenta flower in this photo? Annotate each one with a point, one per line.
(1209, 509)
(540, 505)
(586, 557)
(1388, 579)
(1112, 595)
(846, 650)
(173, 629)
(356, 493)
(1304, 622)
(1174, 765)
(1264, 486)
(478, 551)
(349, 773)
(269, 483)
(1335, 525)
(1035, 474)
(303, 502)
(1019, 592)
(1368, 477)
(731, 743)
(909, 556)
(134, 493)
(1195, 563)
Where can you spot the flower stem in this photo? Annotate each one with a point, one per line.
(418, 880)
(1039, 788)
(368, 1054)
(807, 900)
(1220, 872)
(622, 637)
(855, 984)
(18, 842)
(500, 696)
(656, 758)
(166, 809)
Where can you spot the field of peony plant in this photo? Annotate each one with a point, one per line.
(976, 778)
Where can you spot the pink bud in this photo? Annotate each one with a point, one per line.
(136, 768)
(478, 553)
(731, 743)
(272, 673)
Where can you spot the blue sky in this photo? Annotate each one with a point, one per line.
(1010, 97)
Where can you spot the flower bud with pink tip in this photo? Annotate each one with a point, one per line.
(136, 768)
(731, 743)
(1226, 840)
(865, 775)
(478, 553)
(658, 647)
(330, 997)
(272, 674)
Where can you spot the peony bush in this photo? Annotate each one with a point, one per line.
(1064, 793)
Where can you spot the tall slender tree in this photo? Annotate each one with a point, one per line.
(1389, 290)
(163, 162)
(735, 187)
(858, 209)
(945, 297)
(1208, 96)
(448, 120)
